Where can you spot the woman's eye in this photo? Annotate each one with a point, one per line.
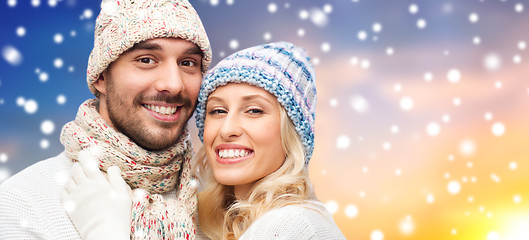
(146, 60)
(255, 111)
(216, 111)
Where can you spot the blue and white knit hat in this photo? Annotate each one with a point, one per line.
(279, 68)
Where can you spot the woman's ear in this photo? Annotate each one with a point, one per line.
(100, 84)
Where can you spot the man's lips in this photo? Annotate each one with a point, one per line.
(164, 112)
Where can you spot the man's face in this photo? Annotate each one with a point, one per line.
(150, 92)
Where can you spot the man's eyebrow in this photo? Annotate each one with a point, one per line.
(145, 46)
(154, 46)
(195, 51)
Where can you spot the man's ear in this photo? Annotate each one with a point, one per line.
(100, 84)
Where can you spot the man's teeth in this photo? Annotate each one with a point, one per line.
(161, 110)
(233, 153)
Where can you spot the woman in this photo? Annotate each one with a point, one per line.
(255, 116)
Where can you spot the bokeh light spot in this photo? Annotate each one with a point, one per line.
(406, 103)
(351, 211)
(433, 129)
(377, 235)
(21, 31)
(454, 187)
(12, 55)
(44, 144)
(421, 23)
(453, 75)
(498, 129)
(343, 142)
(61, 99)
(31, 106)
(272, 8)
(332, 206)
(492, 62)
(47, 127)
(3, 157)
(58, 38)
(413, 8)
(473, 17)
(4, 174)
(359, 104)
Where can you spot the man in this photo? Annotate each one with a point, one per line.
(145, 70)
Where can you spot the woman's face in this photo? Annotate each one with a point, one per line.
(242, 136)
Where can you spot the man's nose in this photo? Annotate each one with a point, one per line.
(170, 80)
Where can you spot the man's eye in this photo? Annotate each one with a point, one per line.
(187, 63)
(146, 60)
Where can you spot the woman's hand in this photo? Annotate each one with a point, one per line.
(99, 207)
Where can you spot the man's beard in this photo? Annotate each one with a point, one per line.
(124, 119)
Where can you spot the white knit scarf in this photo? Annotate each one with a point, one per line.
(148, 173)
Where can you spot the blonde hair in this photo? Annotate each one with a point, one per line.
(221, 216)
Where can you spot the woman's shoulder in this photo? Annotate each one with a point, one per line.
(294, 222)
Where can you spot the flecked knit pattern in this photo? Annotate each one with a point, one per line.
(148, 173)
(280, 68)
(123, 23)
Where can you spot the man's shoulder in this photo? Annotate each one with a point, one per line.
(53, 170)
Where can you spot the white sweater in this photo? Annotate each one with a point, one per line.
(294, 223)
(30, 206)
(30, 209)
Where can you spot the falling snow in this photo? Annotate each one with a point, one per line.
(467, 147)
(332, 206)
(343, 142)
(30, 106)
(498, 129)
(351, 211)
(406, 103)
(492, 62)
(473, 17)
(47, 127)
(21, 31)
(401, 98)
(454, 187)
(421, 23)
(377, 235)
(12, 55)
(407, 226)
(4, 174)
(3, 157)
(453, 75)
(44, 144)
(58, 63)
(58, 38)
(359, 104)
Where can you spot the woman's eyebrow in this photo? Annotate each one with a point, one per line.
(255, 96)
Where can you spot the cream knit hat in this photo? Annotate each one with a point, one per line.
(123, 23)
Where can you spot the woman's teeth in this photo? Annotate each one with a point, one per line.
(233, 153)
(161, 110)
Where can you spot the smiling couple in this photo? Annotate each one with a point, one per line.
(132, 172)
